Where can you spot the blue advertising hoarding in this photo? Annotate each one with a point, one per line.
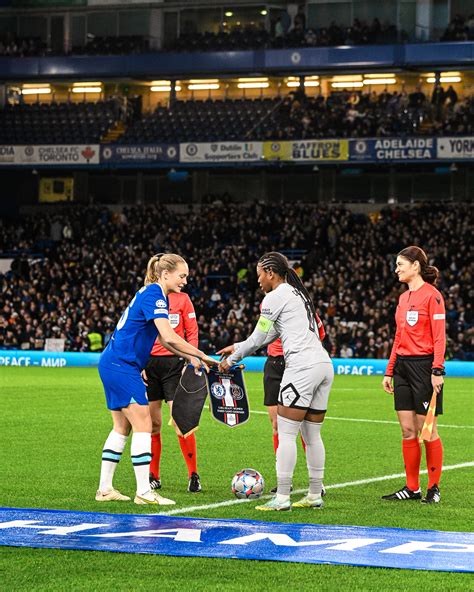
(359, 366)
(156, 534)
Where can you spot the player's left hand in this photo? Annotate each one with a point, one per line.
(437, 383)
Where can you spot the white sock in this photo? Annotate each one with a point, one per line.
(111, 454)
(286, 456)
(141, 457)
(315, 456)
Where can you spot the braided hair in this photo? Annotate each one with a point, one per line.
(278, 263)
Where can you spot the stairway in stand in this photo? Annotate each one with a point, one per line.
(113, 133)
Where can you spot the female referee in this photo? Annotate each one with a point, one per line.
(120, 367)
(416, 369)
(288, 312)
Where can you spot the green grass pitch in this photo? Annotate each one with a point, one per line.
(53, 427)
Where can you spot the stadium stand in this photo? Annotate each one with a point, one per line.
(341, 114)
(239, 38)
(73, 271)
(461, 28)
(120, 45)
(11, 46)
(360, 33)
(57, 123)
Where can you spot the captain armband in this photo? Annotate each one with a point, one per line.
(264, 325)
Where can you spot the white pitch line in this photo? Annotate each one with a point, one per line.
(233, 502)
(440, 425)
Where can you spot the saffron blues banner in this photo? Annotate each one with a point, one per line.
(226, 152)
(138, 153)
(307, 150)
(355, 367)
(392, 149)
(456, 148)
(238, 539)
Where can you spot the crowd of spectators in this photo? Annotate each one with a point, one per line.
(297, 116)
(75, 271)
(282, 36)
(460, 28)
(18, 47)
(358, 114)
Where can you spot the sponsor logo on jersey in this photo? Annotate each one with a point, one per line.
(426, 404)
(412, 317)
(439, 317)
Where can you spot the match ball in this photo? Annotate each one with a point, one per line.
(248, 484)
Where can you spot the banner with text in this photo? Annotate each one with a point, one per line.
(156, 534)
(392, 149)
(307, 150)
(59, 154)
(138, 153)
(348, 366)
(225, 152)
(456, 148)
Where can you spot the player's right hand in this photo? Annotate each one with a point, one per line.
(207, 362)
(226, 351)
(387, 384)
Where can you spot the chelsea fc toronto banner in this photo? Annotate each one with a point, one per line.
(60, 154)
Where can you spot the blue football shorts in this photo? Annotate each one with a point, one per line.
(122, 388)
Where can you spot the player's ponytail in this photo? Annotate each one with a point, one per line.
(278, 263)
(159, 263)
(429, 273)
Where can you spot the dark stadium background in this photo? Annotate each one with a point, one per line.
(337, 133)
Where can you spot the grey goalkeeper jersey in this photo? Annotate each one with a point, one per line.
(285, 315)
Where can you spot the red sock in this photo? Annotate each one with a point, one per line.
(434, 461)
(275, 443)
(188, 448)
(155, 455)
(412, 458)
(303, 442)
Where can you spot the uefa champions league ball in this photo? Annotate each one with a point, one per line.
(248, 484)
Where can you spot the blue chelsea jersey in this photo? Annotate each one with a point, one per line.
(130, 345)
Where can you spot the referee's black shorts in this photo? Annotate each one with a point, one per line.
(272, 375)
(163, 374)
(412, 385)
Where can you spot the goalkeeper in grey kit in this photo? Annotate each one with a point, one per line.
(288, 312)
